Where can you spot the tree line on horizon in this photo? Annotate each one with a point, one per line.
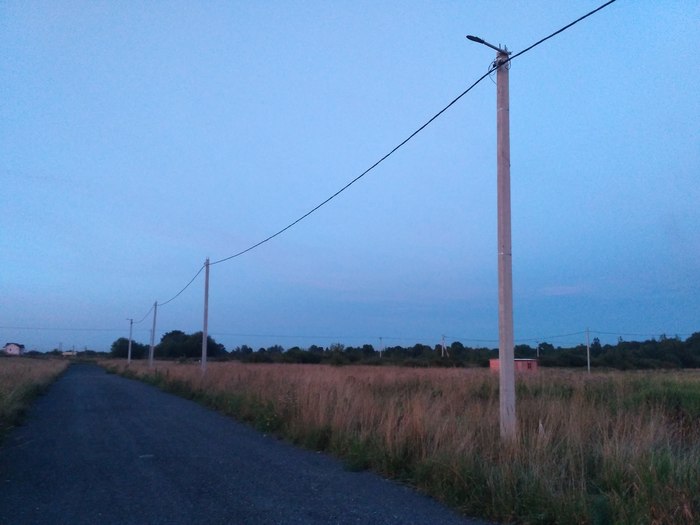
(664, 352)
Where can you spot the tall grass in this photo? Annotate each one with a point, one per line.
(602, 448)
(21, 380)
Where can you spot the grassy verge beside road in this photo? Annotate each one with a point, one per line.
(21, 380)
(602, 448)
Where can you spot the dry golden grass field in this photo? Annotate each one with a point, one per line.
(609, 447)
(21, 380)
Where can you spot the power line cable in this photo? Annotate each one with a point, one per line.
(185, 288)
(637, 334)
(353, 181)
(396, 148)
(545, 337)
(172, 298)
(470, 339)
(144, 317)
(560, 31)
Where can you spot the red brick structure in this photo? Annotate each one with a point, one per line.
(521, 365)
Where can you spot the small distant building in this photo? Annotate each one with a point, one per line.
(13, 349)
(521, 365)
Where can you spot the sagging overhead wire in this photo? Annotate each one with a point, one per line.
(547, 337)
(144, 317)
(172, 298)
(401, 144)
(185, 288)
(353, 181)
(396, 148)
(567, 26)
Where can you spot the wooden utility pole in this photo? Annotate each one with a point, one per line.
(151, 350)
(506, 353)
(206, 315)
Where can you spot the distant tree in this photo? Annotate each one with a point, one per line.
(420, 350)
(315, 349)
(261, 356)
(174, 344)
(298, 355)
(692, 344)
(294, 355)
(368, 351)
(337, 347)
(666, 352)
(457, 350)
(395, 352)
(352, 354)
(178, 344)
(214, 349)
(524, 351)
(545, 348)
(120, 349)
(336, 355)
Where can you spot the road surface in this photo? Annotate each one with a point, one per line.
(101, 449)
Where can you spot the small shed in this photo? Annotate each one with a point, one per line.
(13, 349)
(521, 365)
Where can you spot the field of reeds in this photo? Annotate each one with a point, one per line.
(615, 447)
(21, 380)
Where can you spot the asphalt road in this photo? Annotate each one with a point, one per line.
(101, 449)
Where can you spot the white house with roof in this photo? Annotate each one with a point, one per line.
(13, 349)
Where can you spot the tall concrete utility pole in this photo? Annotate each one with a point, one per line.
(506, 355)
(206, 315)
(153, 336)
(128, 352)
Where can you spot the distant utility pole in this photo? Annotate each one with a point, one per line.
(588, 349)
(206, 315)
(128, 352)
(506, 353)
(153, 336)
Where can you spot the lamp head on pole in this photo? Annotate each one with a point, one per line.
(482, 41)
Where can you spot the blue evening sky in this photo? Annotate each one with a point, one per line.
(139, 138)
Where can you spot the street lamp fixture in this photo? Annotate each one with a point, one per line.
(482, 41)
